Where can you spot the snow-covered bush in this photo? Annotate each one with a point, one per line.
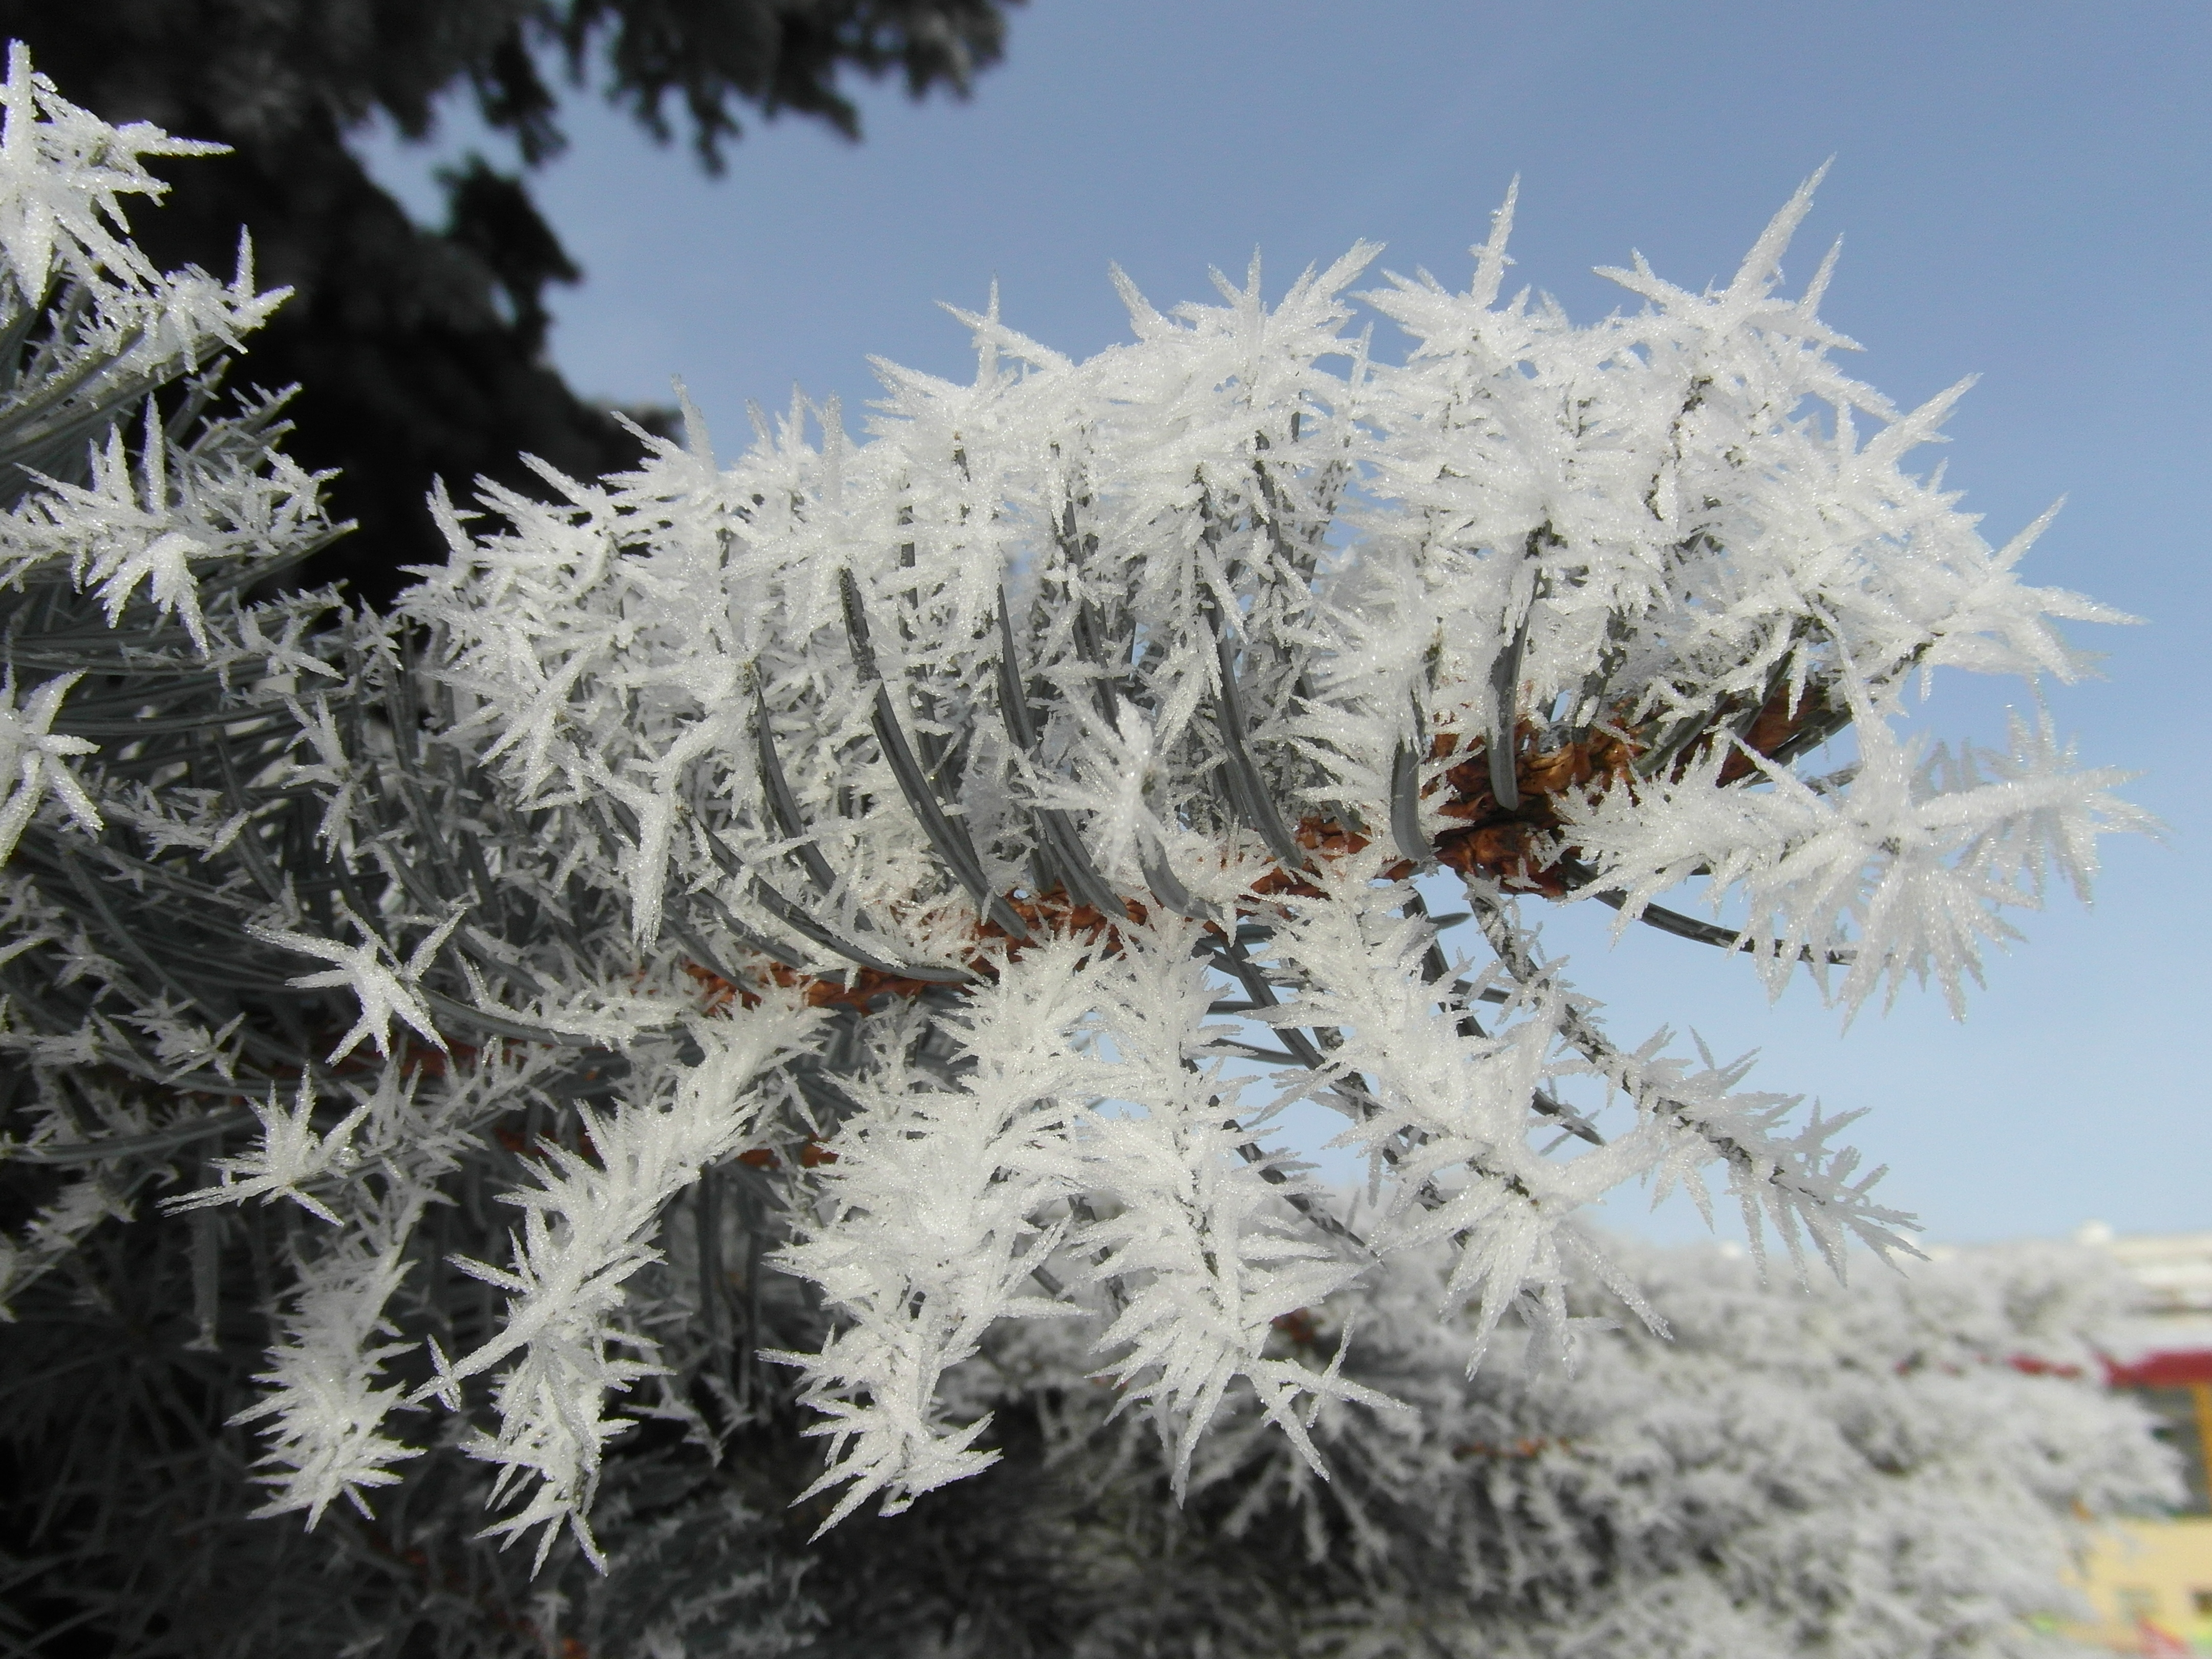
(838, 905)
(1887, 1471)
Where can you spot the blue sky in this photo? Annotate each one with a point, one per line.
(2022, 190)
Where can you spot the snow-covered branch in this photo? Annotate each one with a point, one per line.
(971, 835)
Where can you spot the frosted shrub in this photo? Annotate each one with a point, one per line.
(1893, 1470)
(838, 905)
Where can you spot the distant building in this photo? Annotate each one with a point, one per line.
(2152, 1584)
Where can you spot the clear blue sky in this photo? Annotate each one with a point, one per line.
(2022, 189)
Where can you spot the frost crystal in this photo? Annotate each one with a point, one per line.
(34, 758)
(322, 1399)
(62, 174)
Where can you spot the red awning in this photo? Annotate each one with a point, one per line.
(2175, 1369)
